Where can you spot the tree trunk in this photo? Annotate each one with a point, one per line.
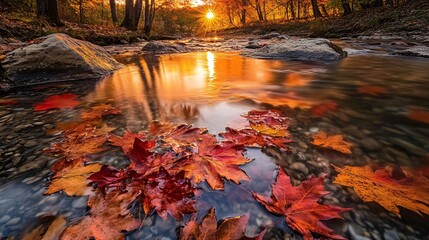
(113, 11)
(325, 12)
(137, 11)
(129, 19)
(316, 11)
(149, 15)
(346, 7)
(80, 11)
(48, 9)
(292, 11)
(243, 12)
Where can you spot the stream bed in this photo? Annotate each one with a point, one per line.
(374, 98)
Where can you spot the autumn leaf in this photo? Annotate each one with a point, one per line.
(109, 217)
(159, 128)
(418, 115)
(100, 111)
(77, 148)
(300, 205)
(44, 232)
(371, 90)
(334, 142)
(230, 229)
(212, 162)
(379, 186)
(111, 179)
(167, 194)
(250, 138)
(183, 135)
(321, 109)
(126, 141)
(270, 117)
(73, 179)
(66, 100)
(5, 102)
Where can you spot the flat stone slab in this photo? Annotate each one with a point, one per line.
(318, 49)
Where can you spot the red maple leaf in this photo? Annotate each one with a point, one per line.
(182, 136)
(66, 100)
(300, 207)
(111, 179)
(251, 138)
(320, 109)
(126, 142)
(167, 193)
(212, 162)
(230, 228)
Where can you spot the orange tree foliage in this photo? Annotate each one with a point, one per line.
(300, 205)
(380, 186)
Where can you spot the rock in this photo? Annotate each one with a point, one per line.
(253, 45)
(391, 235)
(57, 57)
(30, 143)
(371, 144)
(164, 47)
(270, 35)
(300, 167)
(355, 232)
(80, 202)
(318, 49)
(417, 51)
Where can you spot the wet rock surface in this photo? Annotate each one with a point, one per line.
(418, 51)
(164, 47)
(54, 58)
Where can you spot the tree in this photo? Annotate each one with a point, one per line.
(346, 7)
(48, 9)
(316, 11)
(113, 11)
(132, 14)
(149, 15)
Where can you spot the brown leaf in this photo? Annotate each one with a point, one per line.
(55, 229)
(99, 111)
(108, 218)
(230, 228)
(410, 192)
(334, 142)
(300, 205)
(371, 90)
(73, 179)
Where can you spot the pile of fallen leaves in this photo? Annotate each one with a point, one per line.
(168, 163)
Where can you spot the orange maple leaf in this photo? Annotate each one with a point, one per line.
(99, 111)
(379, 186)
(371, 90)
(108, 219)
(230, 228)
(126, 141)
(334, 142)
(300, 205)
(73, 179)
(418, 115)
(212, 162)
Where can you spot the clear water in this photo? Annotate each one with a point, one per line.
(211, 89)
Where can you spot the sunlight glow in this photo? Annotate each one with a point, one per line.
(210, 64)
(210, 15)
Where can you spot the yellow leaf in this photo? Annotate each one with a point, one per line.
(335, 142)
(410, 192)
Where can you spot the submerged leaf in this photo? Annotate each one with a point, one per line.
(108, 219)
(321, 109)
(66, 100)
(410, 192)
(334, 142)
(100, 111)
(300, 205)
(371, 90)
(230, 229)
(72, 179)
(418, 115)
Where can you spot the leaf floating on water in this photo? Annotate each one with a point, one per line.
(250, 138)
(371, 90)
(61, 101)
(321, 109)
(212, 162)
(167, 194)
(300, 205)
(99, 111)
(72, 179)
(109, 217)
(231, 228)
(126, 141)
(334, 142)
(418, 115)
(379, 186)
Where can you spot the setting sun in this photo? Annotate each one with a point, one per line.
(210, 15)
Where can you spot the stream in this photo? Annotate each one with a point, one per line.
(373, 96)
